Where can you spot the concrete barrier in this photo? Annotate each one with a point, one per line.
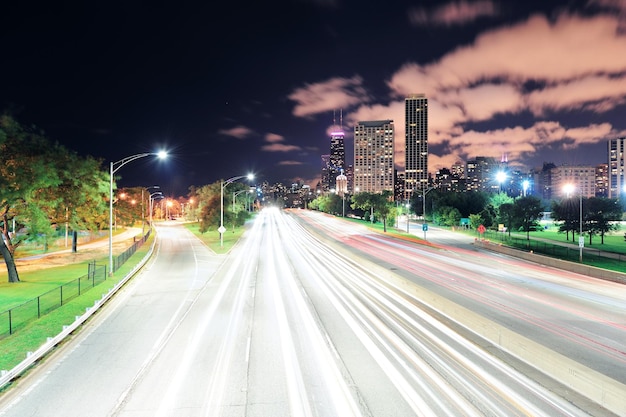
(585, 381)
(588, 270)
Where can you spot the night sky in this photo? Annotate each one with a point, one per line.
(250, 86)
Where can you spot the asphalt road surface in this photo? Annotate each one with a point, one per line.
(287, 326)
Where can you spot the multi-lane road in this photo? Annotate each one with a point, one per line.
(327, 324)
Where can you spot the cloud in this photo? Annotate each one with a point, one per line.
(572, 47)
(239, 132)
(541, 67)
(280, 147)
(336, 93)
(596, 93)
(612, 5)
(273, 138)
(290, 163)
(453, 13)
(518, 141)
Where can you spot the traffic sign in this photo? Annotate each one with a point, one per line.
(221, 229)
(425, 227)
(481, 229)
(581, 241)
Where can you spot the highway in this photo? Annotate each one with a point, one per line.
(288, 325)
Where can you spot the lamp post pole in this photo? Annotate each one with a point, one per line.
(408, 207)
(581, 238)
(223, 185)
(143, 210)
(153, 197)
(114, 167)
(424, 192)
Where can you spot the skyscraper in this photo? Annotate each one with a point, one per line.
(416, 144)
(373, 156)
(617, 160)
(337, 155)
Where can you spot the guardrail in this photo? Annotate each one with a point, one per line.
(18, 317)
(8, 376)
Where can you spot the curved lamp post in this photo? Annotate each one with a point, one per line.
(235, 194)
(115, 166)
(154, 196)
(222, 229)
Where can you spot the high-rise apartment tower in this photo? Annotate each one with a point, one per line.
(373, 156)
(617, 160)
(416, 144)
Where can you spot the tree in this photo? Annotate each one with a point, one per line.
(567, 212)
(379, 203)
(475, 220)
(42, 185)
(527, 211)
(209, 203)
(499, 199)
(506, 215)
(601, 215)
(448, 216)
(562, 212)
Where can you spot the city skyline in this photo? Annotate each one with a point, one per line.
(234, 88)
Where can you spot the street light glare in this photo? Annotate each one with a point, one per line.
(162, 154)
(250, 176)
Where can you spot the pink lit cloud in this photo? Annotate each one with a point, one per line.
(239, 132)
(336, 93)
(279, 147)
(453, 13)
(290, 163)
(274, 138)
(541, 66)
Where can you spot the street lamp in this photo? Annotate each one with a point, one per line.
(408, 207)
(525, 185)
(424, 192)
(114, 167)
(154, 196)
(500, 177)
(569, 188)
(235, 194)
(224, 184)
(143, 210)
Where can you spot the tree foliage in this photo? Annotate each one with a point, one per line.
(527, 212)
(44, 185)
(379, 203)
(602, 216)
(208, 199)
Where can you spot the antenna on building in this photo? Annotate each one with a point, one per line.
(341, 119)
(334, 119)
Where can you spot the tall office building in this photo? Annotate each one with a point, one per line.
(373, 156)
(617, 160)
(325, 182)
(416, 143)
(337, 155)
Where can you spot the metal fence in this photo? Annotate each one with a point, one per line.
(18, 317)
(119, 260)
(591, 256)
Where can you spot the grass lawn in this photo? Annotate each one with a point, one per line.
(34, 283)
(211, 238)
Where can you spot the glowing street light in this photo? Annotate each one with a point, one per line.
(222, 229)
(525, 185)
(500, 177)
(569, 188)
(114, 167)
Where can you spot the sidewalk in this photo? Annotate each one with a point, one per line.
(85, 252)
